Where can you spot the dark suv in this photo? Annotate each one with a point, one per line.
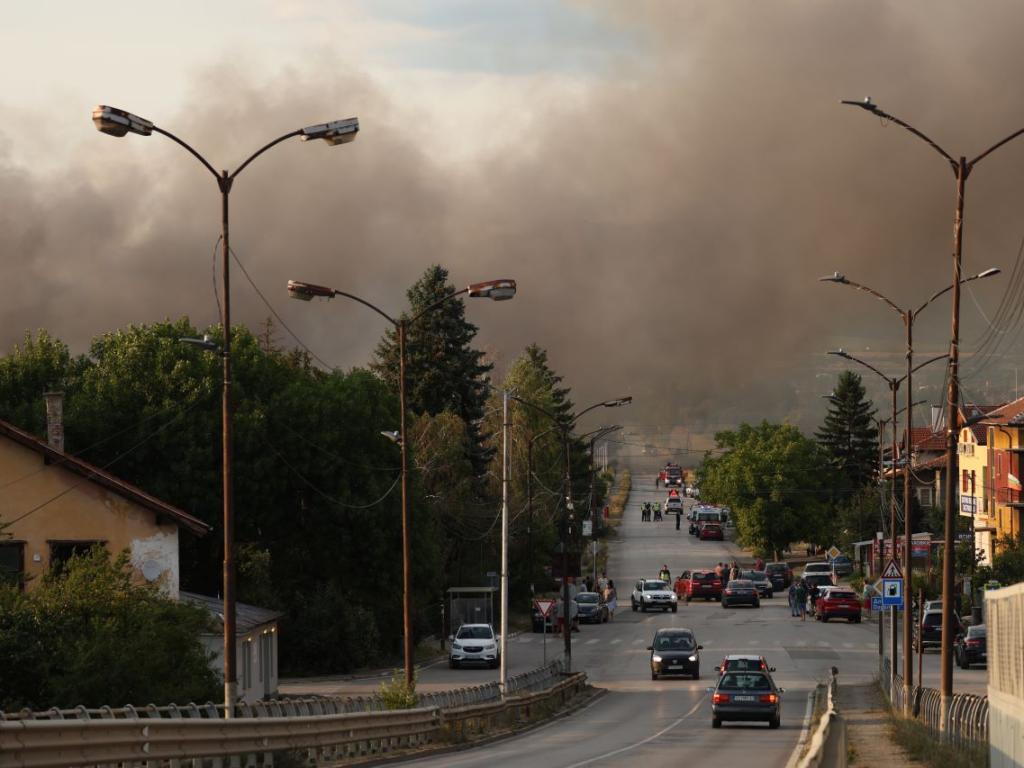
(780, 575)
(930, 629)
(971, 647)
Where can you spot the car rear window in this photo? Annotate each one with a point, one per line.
(841, 594)
(978, 631)
(708, 576)
(739, 665)
(932, 619)
(745, 681)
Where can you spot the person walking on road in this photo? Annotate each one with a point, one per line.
(801, 600)
(792, 599)
(665, 575)
(602, 583)
(612, 599)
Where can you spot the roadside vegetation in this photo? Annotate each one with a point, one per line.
(922, 744)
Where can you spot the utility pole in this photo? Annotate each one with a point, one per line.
(504, 542)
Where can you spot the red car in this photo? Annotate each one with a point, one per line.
(699, 583)
(836, 602)
(711, 530)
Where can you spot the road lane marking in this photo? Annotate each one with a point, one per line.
(525, 639)
(591, 642)
(640, 743)
(638, 641)
(616, 641)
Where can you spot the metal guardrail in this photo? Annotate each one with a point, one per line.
(329, 737)
(829, 739)
(967, 726)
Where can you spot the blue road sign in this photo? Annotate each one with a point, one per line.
(892, 593)
(876, 603)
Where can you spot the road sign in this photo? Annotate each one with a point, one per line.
(544, 606)
(876, 604)
(892, 593)
(834, 552)
(892, 570)
(588, 528)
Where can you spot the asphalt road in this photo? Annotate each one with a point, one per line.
(665, 722)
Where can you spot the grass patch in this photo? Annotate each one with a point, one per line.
(618, 497)
(923, 745)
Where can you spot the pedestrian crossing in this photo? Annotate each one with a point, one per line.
(731, 644)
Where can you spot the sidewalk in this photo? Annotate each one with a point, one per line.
(868, 735)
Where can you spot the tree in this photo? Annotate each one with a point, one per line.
(773, 479)
(849, 436)
(39, 364)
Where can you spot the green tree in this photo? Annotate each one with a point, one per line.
(39, 364)
(773, 479)
(849, 436)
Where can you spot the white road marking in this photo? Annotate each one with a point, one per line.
(640, 743)
(638, 641)
(525, 639)
(616, 641)
(847, 645)
(801, 643)
(592, 641)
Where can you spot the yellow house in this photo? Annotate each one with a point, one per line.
(1005, 437)
(975, 492)
(54, 505)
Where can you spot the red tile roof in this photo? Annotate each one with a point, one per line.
(923, 439)
(103, 478)
(1005, 413)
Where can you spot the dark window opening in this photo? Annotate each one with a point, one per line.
(62, 551)
(12, 564)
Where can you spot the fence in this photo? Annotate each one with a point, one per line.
(175, 736)
(1004, 611)
(967, 725)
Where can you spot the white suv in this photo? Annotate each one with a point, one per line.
(649, 594)
(819, 568)
(474, 643)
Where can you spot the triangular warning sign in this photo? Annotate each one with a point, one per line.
(892, 570)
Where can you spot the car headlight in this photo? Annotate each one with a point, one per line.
(490, 647)
(456, 646)
(693, 658)
(656, 658)
(675, 596)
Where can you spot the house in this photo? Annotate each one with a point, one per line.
(55, 505)
(927, 461)
(255, 645)
(1005, 438)
(976, 493)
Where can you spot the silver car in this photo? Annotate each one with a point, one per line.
(474, 643)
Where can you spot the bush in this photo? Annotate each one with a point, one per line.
(91, 636)
(396, 694)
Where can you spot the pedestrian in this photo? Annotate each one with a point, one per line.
(718, 571)
(590, 583)
(792, 599)
(679, 516)
(801, 600)
(759, 565)
(665, 575)
(612, 599)
(602, 583)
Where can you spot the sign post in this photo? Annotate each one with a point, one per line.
(544, 608)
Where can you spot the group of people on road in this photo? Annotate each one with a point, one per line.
(727, 573)
(647, 509)
(802, 597)
(606, 588)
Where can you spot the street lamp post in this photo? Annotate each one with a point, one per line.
(961, 168)
(496, 290)
(908, 316)
(894, 385)
(117, 122)
(564, 426)
(596, 435)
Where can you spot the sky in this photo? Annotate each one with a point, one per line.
(666, 180)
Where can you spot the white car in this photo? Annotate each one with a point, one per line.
(651, 594)
(474, 643)
(820, 568)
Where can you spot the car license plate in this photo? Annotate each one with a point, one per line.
(676, 664)
(743, 698)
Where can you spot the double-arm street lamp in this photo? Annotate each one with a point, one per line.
(908, 316)
(496, 290)
(962, 168)
(894, 385)
(118, 122)
(564, 425)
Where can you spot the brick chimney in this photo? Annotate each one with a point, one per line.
(55, 420)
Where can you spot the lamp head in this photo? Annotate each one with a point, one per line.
(205, 343)
(117, 122)
(865, 104)
(835, 277)
(334, 133)
(496, 290)
(840, 353)
(393, 436)
(618, 402)
(306, 291)
(989, 272)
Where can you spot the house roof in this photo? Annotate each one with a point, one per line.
(1010, 413)
(247, 617)
(974, 411)
(923, 439)
(938, 462)
(101, 477)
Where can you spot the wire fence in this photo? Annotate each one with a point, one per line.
(966, 722)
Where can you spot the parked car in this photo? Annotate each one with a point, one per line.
(474, 643)
(780, 575)
(650, 594)
(674, 651)
(591, 608)
(699, 584)
(837, 602)
(711, 532)
(813, 569)
(742, 662)
(746, 696)
(842, 566)
(929, 629)
(971, 647)
(740, 592)
(760, 580)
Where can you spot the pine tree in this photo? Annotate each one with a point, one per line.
(848, 435)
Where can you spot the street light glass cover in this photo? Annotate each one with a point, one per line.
(335, 132)
(989, 272)
(117, 122)
(618, 402)
(497, 290)
(306, 291)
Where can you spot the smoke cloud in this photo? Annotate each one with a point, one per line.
(667, 223)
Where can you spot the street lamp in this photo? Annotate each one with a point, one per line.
(496, 290)
(118, 122)
(564, 426)
(894, 385)
(962, 169)
(908, 316)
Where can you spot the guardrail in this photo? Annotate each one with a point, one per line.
(967, 726)
(141, 740)
(829, 739)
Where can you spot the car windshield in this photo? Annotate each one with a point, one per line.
(475, 633)
(817, 568)
(653, 586)
(841, 559)
(739, 584)
(587, 597)
(674, 643)
(776, 568)
(745, 681)
(754, 575)
(932, 619)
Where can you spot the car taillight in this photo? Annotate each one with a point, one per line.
(768, 698)
(720, 698)
(728, 591)
(973, 643)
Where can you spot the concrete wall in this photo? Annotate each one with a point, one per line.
(69, 507)
(1004, 612)
(255, 661)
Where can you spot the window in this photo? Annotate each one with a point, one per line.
(972, 482)
(62, 551)
(247, 664)
(12, 563)
(926, 496)
(964, 481)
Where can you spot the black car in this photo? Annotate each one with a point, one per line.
(591, 608)
(971, 647)
(675, 652)
(740, 592)
(746, 696)
(780, 575)
(761, 582)
(930, 629)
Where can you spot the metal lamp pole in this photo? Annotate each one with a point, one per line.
(117, 122)
(496, 290)
(908, 316)
(961, 168)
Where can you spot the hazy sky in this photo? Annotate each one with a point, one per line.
(666, 180)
